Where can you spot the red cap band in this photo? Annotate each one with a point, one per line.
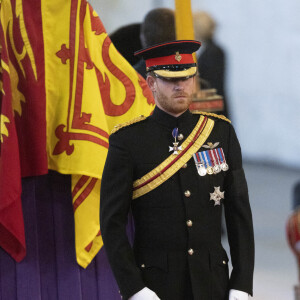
(175, 59)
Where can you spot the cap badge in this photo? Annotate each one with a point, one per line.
(178, 57)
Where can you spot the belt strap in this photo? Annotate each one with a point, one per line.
(173, 163)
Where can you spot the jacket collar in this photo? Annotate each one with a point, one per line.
(170, 121)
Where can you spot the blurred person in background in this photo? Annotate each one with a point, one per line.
(157, 27)
(176, 198)
(127, 40)
(211, 59)
(296, 196)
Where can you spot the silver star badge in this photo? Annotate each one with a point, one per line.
(217, 195)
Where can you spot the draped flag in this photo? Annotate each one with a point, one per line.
(12, 238)
(85, 88)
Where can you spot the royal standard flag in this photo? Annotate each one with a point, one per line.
(84, 87)
(90, 88)
(12, 238)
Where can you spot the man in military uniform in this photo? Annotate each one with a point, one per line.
(175, 170)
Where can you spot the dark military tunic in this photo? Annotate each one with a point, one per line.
(177, 250)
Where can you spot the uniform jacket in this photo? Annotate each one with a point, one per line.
(169, 221)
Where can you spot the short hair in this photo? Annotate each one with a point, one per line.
(158, 27)
(127, 40)
(204, 26)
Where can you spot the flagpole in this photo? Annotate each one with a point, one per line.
(184, 25)
(184, 21)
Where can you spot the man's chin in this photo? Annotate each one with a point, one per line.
(182, 105)
(180, 110)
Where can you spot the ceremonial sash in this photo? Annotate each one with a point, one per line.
(173, 163)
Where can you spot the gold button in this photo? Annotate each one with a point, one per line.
(180, 137)
(191, 251)
(189, 223)
(187, 193)
(224, 262)
(184, 166)
(142, 266)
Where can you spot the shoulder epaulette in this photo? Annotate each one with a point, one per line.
(212, 115)
(130, 122)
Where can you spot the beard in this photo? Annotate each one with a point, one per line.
(175, 104)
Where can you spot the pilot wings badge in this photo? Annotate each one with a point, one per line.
(211, 145)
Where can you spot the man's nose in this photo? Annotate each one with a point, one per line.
(179, 85)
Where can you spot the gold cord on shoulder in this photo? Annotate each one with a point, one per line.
(212, 115)
(135, 120)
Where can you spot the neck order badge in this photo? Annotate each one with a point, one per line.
(175, 147)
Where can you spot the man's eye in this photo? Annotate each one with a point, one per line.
(175, 79)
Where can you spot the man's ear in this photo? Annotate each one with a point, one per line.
(151, 83)
(196, 85)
